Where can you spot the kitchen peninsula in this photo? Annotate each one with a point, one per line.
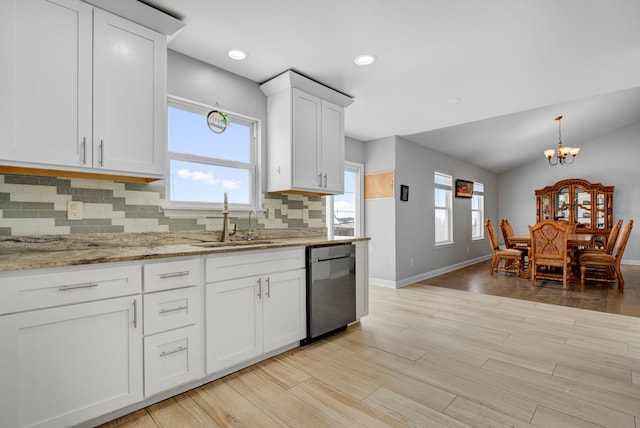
(96, 326)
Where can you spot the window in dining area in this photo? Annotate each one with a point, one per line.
(477, 211)
(443, 191)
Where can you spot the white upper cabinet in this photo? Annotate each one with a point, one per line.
(83, 90)
(45, 79)
(129, 106)
(305, 136)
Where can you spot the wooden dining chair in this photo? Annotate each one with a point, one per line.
(505, 260)
(606, 267)
(611, 242)
(507, 233)
(549, 257)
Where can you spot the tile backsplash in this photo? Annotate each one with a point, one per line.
(37, 205)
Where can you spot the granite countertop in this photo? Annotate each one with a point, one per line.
(34, 252)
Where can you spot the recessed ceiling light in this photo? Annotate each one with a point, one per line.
(237, 54)
(365, 59)
(452, 100)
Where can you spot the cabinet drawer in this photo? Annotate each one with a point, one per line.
(167, 310)
(173, 274)
(33, 289)
(240, 265)
(172, 358)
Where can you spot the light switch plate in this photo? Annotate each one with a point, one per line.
(272, 213)
(305, 214)
(284, 209)
(74, 210)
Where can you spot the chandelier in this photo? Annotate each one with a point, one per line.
(560, 156)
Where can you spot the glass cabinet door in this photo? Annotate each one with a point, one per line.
(561, 204)
(546, 207)
(582, 207)
(600, 211)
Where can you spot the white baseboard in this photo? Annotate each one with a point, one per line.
(421, 277)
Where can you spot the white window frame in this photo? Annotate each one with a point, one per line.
(476, 194)
(187, 208)
(447, 208)
(357, 168)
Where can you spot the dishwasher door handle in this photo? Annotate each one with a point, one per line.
(326, 259)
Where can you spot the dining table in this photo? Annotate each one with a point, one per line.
(575, 241)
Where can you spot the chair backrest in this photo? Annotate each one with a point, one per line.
(613, 235)
(493, 235)
(507, 231)
(549, 239)
(621, 242)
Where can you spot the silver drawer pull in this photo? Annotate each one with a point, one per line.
(179, 308)
(180, 349)
(174, 274)
(76, 286)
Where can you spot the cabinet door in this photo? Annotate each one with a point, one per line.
(306, 141)
(64, 365)
(233, 322)
(172, 358)
(284, 305)
(332, 148)
(129, 96)
(45, 81)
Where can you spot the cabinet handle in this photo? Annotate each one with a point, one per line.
(179, 308)
(84, 150)
(135, 313)
(268, 287)
(259, 288)
(180, 349)
(320, 180)
(76, 286)
(174, 274)
(325, 180)
(101, 161)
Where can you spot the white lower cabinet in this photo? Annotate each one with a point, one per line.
(253, 315)
(63, 365)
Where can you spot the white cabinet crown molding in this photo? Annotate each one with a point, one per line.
(292, 79)
(141, 13)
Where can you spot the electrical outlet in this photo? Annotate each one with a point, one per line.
(284, 209)
(74, 210)
(272, 213)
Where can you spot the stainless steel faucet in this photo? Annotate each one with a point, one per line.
(249, 232)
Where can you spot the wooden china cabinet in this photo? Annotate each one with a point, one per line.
(588, 206)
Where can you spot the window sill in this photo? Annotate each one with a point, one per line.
(444, 245)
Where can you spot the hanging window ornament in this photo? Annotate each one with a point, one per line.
(217, 121)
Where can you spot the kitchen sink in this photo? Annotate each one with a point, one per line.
(232, 243)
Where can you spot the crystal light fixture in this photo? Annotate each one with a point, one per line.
(560, 156)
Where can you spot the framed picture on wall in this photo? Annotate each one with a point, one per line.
(464, 188)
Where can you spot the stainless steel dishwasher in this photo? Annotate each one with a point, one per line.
(331, 289)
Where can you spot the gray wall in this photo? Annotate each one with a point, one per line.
(402, 233)
(611, 160)
(354, 150)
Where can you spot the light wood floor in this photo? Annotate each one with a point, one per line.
(429, 357)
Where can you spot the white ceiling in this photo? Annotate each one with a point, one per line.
(514, 65)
